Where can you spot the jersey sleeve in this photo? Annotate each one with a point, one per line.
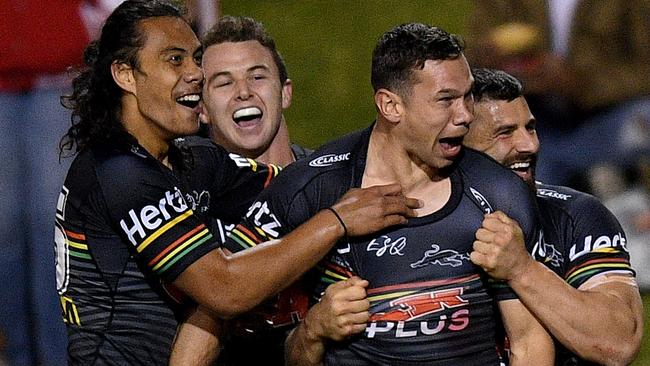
(598, 243)
(495, 188)
(278, 210)
(239, 182)
(148, 210)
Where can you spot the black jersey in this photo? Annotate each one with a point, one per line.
(429, 303)
(581, 239)
(126, 224)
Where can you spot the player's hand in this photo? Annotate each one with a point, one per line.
(499, 247)
(367, 210)
(342, 311)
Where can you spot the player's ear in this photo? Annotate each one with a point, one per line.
(389, 105)
(287, 93)
(123, 76)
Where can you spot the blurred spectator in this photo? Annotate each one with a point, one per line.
(586, 67)
(39, 40)
(630, 203)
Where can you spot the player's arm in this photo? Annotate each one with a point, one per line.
(601, 321)
(231, 285)
(530, 344)
(342, 312)
(198, 329)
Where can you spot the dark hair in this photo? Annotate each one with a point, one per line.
(241, 29)
(406, 48)
(95, 99)
(496, 85)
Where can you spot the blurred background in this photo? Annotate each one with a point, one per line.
(585, 65)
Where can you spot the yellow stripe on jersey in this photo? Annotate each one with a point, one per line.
(180, 248)
(77, 245)
(162, 230)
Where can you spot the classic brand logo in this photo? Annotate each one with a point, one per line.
(542, 192)
(151, 217)
(329, 159)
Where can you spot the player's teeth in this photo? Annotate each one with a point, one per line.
(189, 98)
(246, 112)
(520, 166)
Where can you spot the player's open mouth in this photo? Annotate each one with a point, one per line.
(247, 116)
(451, 142)
(189, 100)
(521, 166)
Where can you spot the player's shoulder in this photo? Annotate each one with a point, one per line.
(196, 142)
(334, 160)
(480, 170)
(197, 148)
(569, 200)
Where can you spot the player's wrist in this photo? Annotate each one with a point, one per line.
(342, 229)
(312, 327)
(523, 271)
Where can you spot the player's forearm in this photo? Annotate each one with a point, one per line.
(229, 286)
(278, 263)
(530, 344)
(596, 325)
(304, 347)
(197, 340)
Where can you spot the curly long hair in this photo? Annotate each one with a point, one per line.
(95, 100)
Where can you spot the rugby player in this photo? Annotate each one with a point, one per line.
(428, 304)
(134, 213)
(245, 93)
(583, 291)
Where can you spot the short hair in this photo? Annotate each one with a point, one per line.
(407, 47)
(242, 29)
(495, 85)
(95, 100)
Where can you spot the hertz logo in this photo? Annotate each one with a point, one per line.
(329, 159)
(151, 217)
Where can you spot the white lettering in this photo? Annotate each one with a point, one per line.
(264, 219)
(458, 320)
(400, 333)
(149, 217)
(553, 194)
(602, 242)
(176, 200)
(424, 326)
(136, 228)
(393, 247)
(240, 161)
(329, 159)
(374, 328)
(163, 209)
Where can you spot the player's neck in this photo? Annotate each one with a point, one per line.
(387, 162)
(279, 152)
(149, 136)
